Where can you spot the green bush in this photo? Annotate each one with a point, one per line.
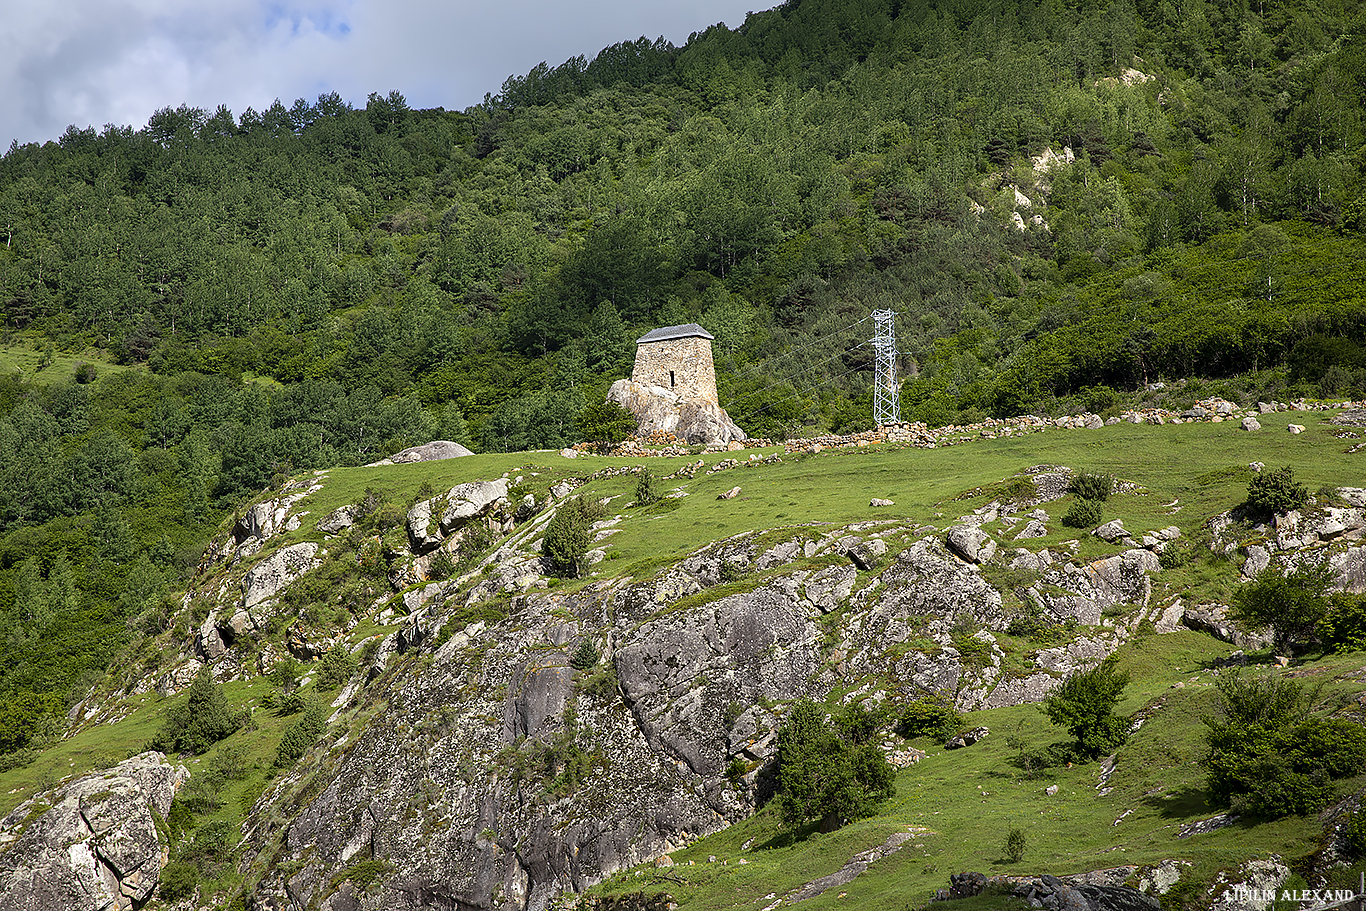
(1271, 492)
(20, 714)
(1268, 756)
(930, 717)
(301, 736)
(1085, 705)
(1014, 846)
(647, 490)
(826, 775)
(203, 719)
(606, 422)
(1354, 834)
(1089, 486)
(1291, 606)
(1083, 513)
(585, 657)
(336, 667)
(1343, 626)
(567, 538)
(177, 881)
(286, 672)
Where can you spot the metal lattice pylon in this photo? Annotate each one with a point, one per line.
(886, 397)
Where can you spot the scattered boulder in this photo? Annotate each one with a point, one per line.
(729, 495)
(340, 519)
(1251, 423)
(1295, 429)
(435, 451)
(1033, 529)
(971, 543)
(966, 738)
(96, 847)
(875, 501)
(1112, 531)
(430, 521)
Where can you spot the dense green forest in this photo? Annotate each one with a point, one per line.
(321, 284)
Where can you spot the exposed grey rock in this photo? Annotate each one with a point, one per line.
(340, 519)
(657, 409)
(430, 521)
(1294, 429)
(435, 451)
(1204, 826)
(1251, 423)
(966, 738)
(1083, 593)
(1213, 619)
(878, 501)
(268, 578)
(681, 671)
(971, 543)
(1021, 690)
(96, 848)
(1033, 529)
(1111, 531)
(1159, 878)
(1250, 887)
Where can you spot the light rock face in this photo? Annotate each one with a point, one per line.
(431, 521)
(96, 848)
(657, 409)
(268, 578)
(434, 451)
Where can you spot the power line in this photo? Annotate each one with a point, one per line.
(841, 354)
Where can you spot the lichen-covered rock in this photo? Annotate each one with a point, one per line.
(971, 543)
(658, 410)
(96, 847)
(429, 522)
(268, 578)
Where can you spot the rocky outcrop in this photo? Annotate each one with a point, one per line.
(430, 522)
(95, 847)
(658, 410)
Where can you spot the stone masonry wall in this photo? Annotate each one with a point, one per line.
(681, 365)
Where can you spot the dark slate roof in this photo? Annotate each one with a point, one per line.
(664, 334)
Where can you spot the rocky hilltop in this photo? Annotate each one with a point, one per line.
(506, 739)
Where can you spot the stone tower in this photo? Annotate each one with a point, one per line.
(677, 358)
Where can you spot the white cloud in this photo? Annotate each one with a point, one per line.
(92, 62)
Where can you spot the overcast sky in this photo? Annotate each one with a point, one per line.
(93, 62)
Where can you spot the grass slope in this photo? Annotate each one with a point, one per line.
(966, 800)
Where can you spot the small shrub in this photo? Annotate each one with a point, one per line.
(1292, 606)
(336, 667)
(825, 776)
(441, 566)
(729, 571)
(585, 657)
(1085, 705)
(1343, 627)
(647, 491)
(1271, 492)
(203, 719)
(177, 881)
(1083, 513)
(301, 736)
(930, 717)
(1354, 834)
(1014, 846)
(975, 652)
(567, 538)
(286, 672)
(290, 703)
(1089, 486)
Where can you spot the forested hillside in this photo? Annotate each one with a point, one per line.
(262, 293)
